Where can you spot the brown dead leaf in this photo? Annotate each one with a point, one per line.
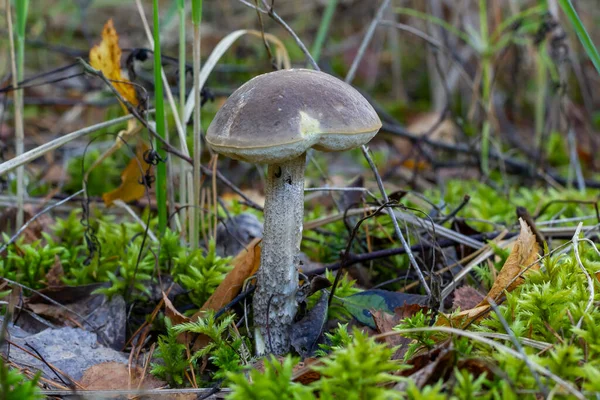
(245, 264)
(466, 298)
(116, 376)
(106, 57)
(55, 274)
(49, 310)
(176, 318)
(131, 187)
(385, 322)
(171, 312)
(524, 253)
(429, 367)
(304, 373)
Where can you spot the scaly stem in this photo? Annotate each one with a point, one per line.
(275, 298)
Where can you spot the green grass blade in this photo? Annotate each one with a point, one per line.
(161, 168)
(196, 11)
(195, 214)
(582, 34)
(182, 91)
(21, 9)
(323, 29)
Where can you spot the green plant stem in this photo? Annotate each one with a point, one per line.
(195, 213)
(486, 82)
(161, 168)
(182, 91)
(323, 29)
(582, 33)
(21, 8)
(540, 102)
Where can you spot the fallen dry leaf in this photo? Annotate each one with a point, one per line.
(176, 318)
(171, 312)
(466, 297)
(49, 311)
(245, 264)
(106, 57)
(304, 373)
(131, 187)
(115, 376)
(429, 367)
(385, 322)
(524, 254)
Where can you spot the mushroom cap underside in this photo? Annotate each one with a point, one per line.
(280, 115)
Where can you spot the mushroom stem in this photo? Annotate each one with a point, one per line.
(275, 298)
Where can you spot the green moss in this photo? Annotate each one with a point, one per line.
(14, 386)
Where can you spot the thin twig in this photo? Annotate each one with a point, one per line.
(341, 189)
(366, 41)
(56, 303)
(516, 165)
(397, 230)
(285, 26)
(132, 110)
(167, 146)
(137, 219)
(590, 281)
(349, 78)
(36, 216)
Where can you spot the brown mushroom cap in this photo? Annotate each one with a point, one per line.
(280, 115)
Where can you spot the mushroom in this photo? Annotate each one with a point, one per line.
(274, 119)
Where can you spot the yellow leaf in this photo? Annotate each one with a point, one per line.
(106, 57)
(131, 187)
